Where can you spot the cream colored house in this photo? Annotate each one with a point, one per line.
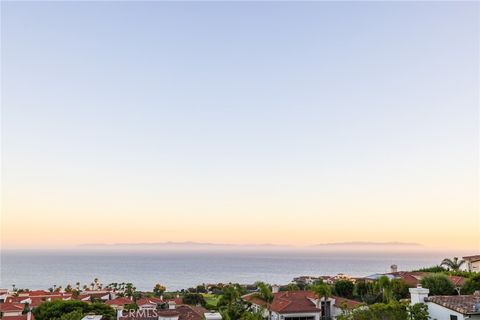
(473, 263)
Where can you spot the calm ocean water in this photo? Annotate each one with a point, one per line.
(177, 270)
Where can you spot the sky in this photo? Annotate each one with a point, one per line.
(240, 122)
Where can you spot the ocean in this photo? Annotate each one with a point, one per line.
(184, 269)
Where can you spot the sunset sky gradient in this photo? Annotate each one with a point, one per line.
(273, 122)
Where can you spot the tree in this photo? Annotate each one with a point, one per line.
(131, 306)
(378, 311)
(129, 289)
(385, 287)
(453, 264)
(265, 293)
(56, 309)
(232, 306)
(418, 311)
(248, 315)
(322, 292)
(438, 284)
(74, 315)
(472, 284)
(344, 288)
(399, 289)
(194, 299)
(290, 287)
(230, 296)
(158, 290)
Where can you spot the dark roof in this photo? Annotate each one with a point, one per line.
(464, 304)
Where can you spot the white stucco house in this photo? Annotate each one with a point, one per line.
(459, 307)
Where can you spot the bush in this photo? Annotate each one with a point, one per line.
(471, 285)
(438, 284)
(194, 299)
(378, 311)
(344, 288)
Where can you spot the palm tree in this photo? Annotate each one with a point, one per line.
(385, 286)
(453, 264)
(322, 291)
(265, 293)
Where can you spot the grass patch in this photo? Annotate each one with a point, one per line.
(211, 299)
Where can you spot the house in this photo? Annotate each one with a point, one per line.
(183, 312)
(459, 307)
(11, 309)
(414, 278)
(94, 295)
(305, 280)
(119, 303)
(473, 263)
(299, 305)
(149, 303)
(3, 295)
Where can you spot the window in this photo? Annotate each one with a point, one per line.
(452, 317)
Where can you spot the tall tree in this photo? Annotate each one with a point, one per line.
(322, 292)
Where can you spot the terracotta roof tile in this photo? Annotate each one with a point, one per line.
(464, 304)
(8, 307)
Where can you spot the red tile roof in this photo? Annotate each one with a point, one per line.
(121, 301)
(22, 317)
(296, 301)
(152, 301)
(11, 307)
(341, 302)
(288, 302)
(35, 301)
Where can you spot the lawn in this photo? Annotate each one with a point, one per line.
(212, 299)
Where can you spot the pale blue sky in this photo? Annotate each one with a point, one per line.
(278, 113)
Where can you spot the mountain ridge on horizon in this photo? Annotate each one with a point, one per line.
(211, 244)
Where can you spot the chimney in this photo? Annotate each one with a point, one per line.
(29, 315)
(171, 305)
(275, 288)
(418, 294)
(161, 297)
(393, 268)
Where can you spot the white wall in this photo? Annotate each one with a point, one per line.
(276, 316)
(438, 312)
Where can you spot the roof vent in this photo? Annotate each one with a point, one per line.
(477, 307)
